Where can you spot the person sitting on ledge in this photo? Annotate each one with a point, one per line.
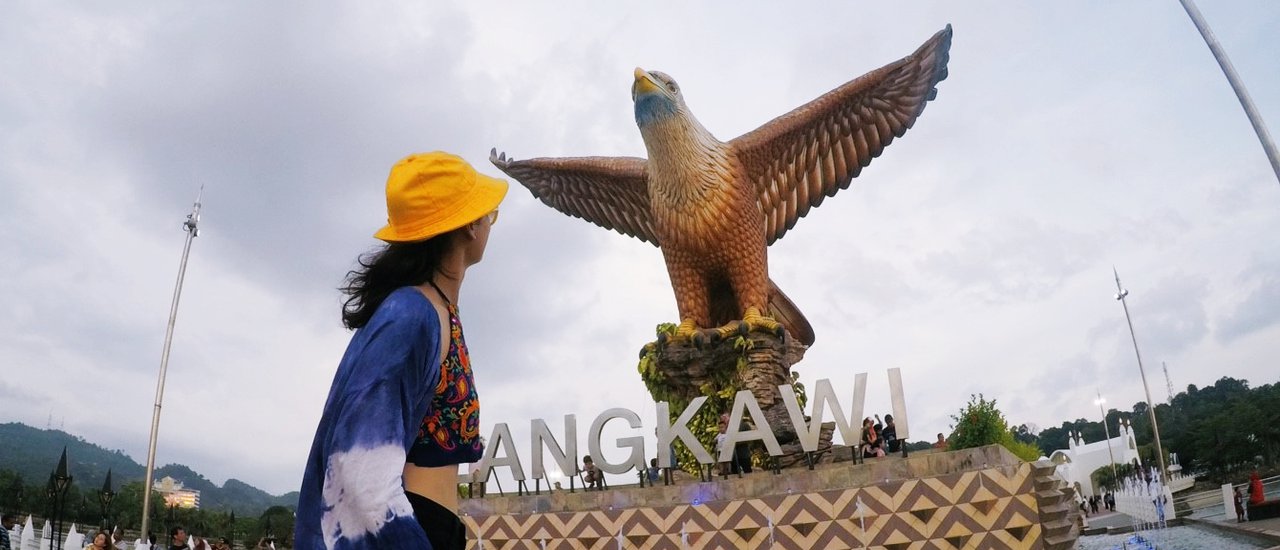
(871, 447)
(591, 475)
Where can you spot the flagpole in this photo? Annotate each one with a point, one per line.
(190, 226)
(1242, 94)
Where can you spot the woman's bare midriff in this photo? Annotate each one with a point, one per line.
(440, 484)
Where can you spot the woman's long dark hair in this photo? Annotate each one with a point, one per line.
(386, 269)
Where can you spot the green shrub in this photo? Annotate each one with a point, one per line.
(981, 423)
(1029, 452)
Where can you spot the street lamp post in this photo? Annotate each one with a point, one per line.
(191, 226)
(1115, 478)
(1121, 294)
(1242, 94)
(105, 496)
(59, 482)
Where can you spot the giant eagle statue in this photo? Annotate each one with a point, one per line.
(714, 207)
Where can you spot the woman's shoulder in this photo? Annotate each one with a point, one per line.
(406, 305)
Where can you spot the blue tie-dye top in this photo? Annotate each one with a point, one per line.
(352, 493)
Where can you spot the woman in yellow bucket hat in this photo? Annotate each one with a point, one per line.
(403, 410)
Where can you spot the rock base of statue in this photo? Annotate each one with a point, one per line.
(758, 362)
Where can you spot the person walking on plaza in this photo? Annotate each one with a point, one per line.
(100, 541)
(178, 539)
(7, 521)
(403, 410)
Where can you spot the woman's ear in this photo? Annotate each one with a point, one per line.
(473, 230)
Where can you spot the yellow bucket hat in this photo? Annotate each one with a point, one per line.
(430, 194)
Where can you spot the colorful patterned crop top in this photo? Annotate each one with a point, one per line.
(450, 433)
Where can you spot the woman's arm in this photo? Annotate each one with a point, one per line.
(375, 421)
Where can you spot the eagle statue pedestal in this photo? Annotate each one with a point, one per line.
(678, 372)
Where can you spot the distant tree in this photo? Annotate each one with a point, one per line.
(918, 446)
(277, 521)
(12, 489)
(1103, 477)
(1026, 434)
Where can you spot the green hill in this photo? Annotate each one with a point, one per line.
(32, 453)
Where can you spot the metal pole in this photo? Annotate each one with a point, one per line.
(190, 226)
(1242, 94)
(1121, 294)
(1115, 478)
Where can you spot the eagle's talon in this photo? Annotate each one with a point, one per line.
(743, 329)
(699, 340)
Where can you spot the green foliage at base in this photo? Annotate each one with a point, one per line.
(719, 390)
(704, 425)
(981, 423)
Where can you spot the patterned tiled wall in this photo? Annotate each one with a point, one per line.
(988, 507)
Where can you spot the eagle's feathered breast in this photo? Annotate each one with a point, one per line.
(692, 185)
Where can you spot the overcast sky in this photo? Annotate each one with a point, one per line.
(976, 254)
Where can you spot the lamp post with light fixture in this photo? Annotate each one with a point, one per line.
(1121, 294)
(105, 496)
(59, 482)
(1115, 478)
(191, 226)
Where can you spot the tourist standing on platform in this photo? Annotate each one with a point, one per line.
(1255, 489)
(403, 411)
(941, 443)
(890, 435)
(721, 439)
(742, 452)
(1238, 499)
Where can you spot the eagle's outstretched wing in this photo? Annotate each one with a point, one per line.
(806, 155)
(611, 192)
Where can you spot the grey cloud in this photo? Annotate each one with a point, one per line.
(1043, 153)
(1258, 310)
(1011, 260)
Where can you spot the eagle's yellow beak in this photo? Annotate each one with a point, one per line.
(644, 83)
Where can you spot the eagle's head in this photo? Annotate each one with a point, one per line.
(656, 96)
